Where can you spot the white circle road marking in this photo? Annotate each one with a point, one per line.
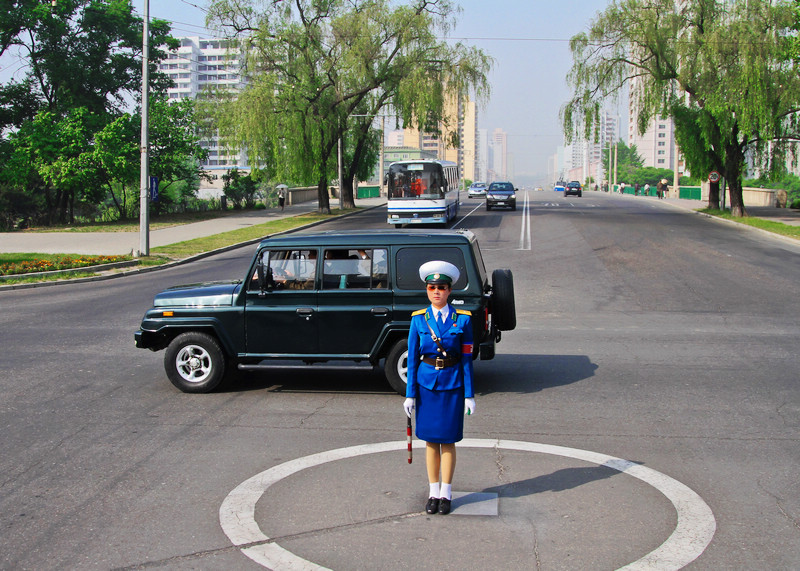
(694, 530)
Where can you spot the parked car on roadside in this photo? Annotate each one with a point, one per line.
(476, 190)
(573, 187)
(501, 194)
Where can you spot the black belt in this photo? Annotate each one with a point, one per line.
(442, 362)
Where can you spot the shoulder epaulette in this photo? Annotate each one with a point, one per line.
(463, 312)
(418, 312)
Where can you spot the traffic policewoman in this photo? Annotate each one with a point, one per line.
(440, 379)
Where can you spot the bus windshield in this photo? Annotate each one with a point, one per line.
(416, 181)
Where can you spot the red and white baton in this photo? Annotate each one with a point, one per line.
(408, 438)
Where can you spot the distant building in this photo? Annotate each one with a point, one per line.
(499, 156)
(198, 65)
(462, 118)
(482, 168)
(394, 154)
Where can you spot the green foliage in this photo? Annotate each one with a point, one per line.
(323, 70)
(721, 70)
(628, 161)
(70, 149)
(79, 54)
(240, 189)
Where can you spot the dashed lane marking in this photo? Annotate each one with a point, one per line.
(694, 530)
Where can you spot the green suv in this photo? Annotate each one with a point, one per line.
(322, 297)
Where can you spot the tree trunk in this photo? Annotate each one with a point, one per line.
(737, 200)
(62, 207)
(116, 202)
(346, 199)
(713, 196)
(734, 163)
(322, 195)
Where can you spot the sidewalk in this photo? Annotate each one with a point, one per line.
(783, 215)
(121, 243)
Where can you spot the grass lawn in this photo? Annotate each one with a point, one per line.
(769, 225)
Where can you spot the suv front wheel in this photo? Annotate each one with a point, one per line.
(396, 366)
(194, 362)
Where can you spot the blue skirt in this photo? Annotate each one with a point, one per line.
(440, 415)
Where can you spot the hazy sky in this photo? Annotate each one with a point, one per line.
(528, 40)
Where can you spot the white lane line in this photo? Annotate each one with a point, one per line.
(525, 227)
(694, 530)
(460, 220)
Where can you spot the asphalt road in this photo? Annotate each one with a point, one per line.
(648, 397)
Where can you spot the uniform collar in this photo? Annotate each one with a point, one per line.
(446, 311)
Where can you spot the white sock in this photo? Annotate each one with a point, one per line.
(434, 490)
(446, 491)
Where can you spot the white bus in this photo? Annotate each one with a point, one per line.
(422, 192)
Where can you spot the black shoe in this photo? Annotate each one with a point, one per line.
(444, 506)
(432, 506)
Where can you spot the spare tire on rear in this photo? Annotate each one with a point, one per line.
(503, 307)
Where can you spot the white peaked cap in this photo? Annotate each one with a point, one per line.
(440, 270)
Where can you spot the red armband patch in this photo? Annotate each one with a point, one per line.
(466, 349)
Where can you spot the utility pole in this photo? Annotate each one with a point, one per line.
(383, 156)
(144, 205)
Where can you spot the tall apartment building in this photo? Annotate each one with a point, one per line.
(462, 118)
(199, 64)
(482, 166)
(657, 145)
(499, 154)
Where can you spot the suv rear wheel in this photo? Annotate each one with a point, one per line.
(504, 310)
(396, 366)
(195, 362)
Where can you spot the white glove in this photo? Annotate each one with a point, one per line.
(408, 406)
(469, 406)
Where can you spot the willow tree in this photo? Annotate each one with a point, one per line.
(721, 70)
(322, 70)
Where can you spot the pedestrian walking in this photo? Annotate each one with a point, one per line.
(282, 193)
(664, 187)
(439, 378)
(646, 190)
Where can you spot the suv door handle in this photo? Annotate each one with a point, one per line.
(305, 311)
(379, 311)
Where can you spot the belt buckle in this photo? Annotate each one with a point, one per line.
(439, 363)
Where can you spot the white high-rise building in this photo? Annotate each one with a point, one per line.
(482, 169)
(499, 154)
(198, 65)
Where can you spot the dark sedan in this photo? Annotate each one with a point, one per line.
(501, 194)
(573, 187)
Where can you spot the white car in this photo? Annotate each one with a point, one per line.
(477, 190)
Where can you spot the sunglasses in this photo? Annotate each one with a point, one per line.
(432, 287)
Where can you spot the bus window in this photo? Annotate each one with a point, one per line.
(416, 181)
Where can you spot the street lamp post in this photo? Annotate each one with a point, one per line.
(144, 210)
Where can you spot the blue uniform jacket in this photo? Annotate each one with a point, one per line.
(456, 339)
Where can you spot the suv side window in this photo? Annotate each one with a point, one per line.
(288, 269)
(410, 259)
(354, 269)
